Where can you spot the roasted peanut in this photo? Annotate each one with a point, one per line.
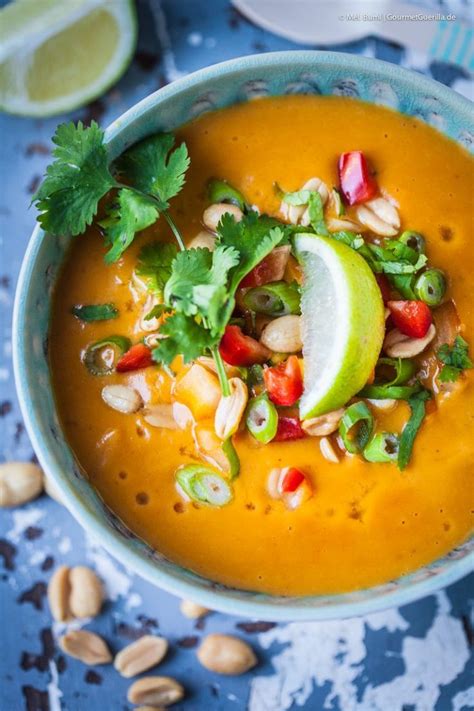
(397, 345)
(231, 408)
(59, 591)
(85, 646)
(203, 239)
(146, 652)
(380, 216)
(283, 335)
(20, 482)
(213, 214)
(155, 691)
(192, 610)
(225, 654)
(324, 424)
(122, 398)
(86, 595)
(160, 416)
(328, 451)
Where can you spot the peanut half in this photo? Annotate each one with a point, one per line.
(75, 592)
(20, 482)
(192, 610)
(225, 654)
(85, 646)
(283, 334)
(155, 691)
(146, 652)
(397, 345)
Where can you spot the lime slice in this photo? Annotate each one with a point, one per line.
(57, 55)
(342, 323)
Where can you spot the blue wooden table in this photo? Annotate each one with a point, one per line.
(417, 658)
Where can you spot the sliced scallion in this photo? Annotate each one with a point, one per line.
(276, 299)
(356, 427)
(95, 312)
(415, 240)
(418, 410)
(232, 457)
(338, 202)
(203, 485)
(383, 447)
(262, 419)
(221, 191)
(389, 392)
(101, 357)
(430, 287)
(402, 368)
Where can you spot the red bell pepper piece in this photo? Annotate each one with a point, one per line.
(272, 268)
(284, 382)
(288, 428)
(413, 318)
(137, 357)
(292, 480)
(238, 349)
(384, 286)
(357, 185)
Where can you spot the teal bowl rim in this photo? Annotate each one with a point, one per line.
(221, 598)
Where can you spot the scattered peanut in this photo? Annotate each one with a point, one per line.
(212, 214)
(155, 691)
(146, 652)
(192, 610)
(75, 592)
(85, 646)
(335, 224)
(324, 424)
(122, 398)
(328, 451)
(203, 239)
(59, 591)
(397, 345)
(230, 409)
(86, 595)
(151, 324)
(380, 216)
(20, 482)
(209, 447)
(283, 334)
(52, 490)
(225, 654)
(160, 416)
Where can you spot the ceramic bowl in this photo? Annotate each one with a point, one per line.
(243, 79)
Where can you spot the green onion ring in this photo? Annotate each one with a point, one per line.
(221, 191)
(276, 299)
(232, 457)
(360, 415)
(262, 419)
(119, 344)
(383, 447)
(403, 368)
(389, 392)
(203, 485)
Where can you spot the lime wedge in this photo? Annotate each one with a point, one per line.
(342, 323)
(57, 55)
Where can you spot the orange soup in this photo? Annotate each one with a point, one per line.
(288, 482)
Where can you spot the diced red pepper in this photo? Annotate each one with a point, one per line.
(288, 428)
(292, 480)
(137, 357)
(357, 184)
(384, 286)
(272, 268)
(284, 382)
(413, 318)
(238, 349)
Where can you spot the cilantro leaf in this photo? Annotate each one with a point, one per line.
(150, 167)
(417, 405)
(130, 214)
(185, 337)
(455, 358)
(95, 312)
(78, 178)
(254, 237)
(154, 264)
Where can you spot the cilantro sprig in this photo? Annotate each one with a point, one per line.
(455, 360)
(80, 177)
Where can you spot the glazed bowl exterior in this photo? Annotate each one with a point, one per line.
(243, 79)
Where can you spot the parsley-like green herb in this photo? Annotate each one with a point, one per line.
(95, 312)
(455, 359)
(154, 265)
(313, 200)
(417, 404)
(185, 337)
(80, 177)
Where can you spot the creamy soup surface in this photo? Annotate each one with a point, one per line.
(365, 523)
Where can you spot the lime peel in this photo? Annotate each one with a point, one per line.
(342, 323)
